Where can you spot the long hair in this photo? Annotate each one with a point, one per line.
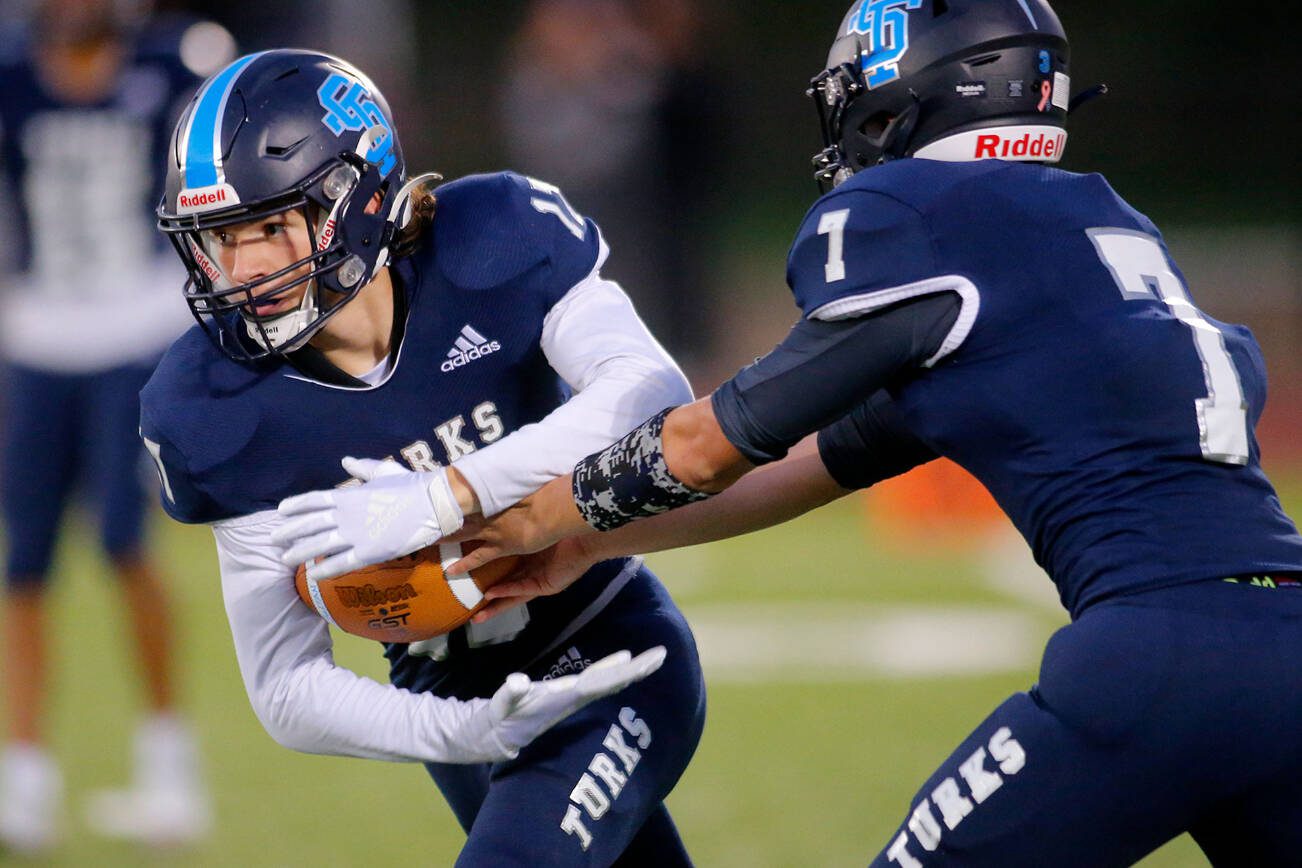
(423, 205)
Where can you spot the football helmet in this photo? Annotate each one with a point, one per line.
(945, 80)
(273, 132)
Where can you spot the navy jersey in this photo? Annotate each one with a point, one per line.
(1109, 417)
(88, 175)
(233, 440)
(89, 283)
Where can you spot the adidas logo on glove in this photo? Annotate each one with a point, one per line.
(470, 345)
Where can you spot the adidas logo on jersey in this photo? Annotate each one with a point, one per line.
(470, 345)
(570, 663)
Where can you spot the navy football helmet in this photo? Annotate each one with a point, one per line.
(273, 132)
(945, 80)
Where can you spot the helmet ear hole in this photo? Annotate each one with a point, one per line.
(876, 125)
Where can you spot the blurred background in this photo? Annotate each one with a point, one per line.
(848, 651)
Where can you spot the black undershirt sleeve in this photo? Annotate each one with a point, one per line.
(869, 444)
(823, 370)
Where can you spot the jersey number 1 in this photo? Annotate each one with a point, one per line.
(1141, 271)
(832, 224)
(550, 201)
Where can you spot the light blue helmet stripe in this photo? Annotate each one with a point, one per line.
(202, 155)
(1027, 9)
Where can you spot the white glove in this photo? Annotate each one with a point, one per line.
(393, 512)
(435, 648)
(521, 710)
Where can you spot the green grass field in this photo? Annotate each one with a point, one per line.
(801, 764)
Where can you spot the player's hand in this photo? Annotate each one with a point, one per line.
(393, 512)
(521, 710)
(536, 522)
(540, 574)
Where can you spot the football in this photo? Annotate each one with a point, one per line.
(406, 599)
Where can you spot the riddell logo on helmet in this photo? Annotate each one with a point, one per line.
(327, 235)
(205, 264)
(198, 200)
(1026, 147)
(206, 199)
(1038, 142)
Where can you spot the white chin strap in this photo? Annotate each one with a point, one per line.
(401, 212)
(285, 332)
(1040, 143)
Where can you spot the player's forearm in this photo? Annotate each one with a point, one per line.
(770, 495)
(319, 708)
(630, 479)
(306, 702)
(551, 514)
(626, 393)
(466, 496)
(619, 374)
(609, 490)
(697, 452)
(659, 466)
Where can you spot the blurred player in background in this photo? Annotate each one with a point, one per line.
(963, 298)
(85, 111)
(611, 101)
(349, 311)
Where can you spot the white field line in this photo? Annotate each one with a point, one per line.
(836, 642)
(1007, 566)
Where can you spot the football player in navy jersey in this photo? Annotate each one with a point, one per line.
(87, 103)
(457, 346)
(962, 297)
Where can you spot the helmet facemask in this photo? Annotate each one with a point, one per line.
(855, 139)
(333, 207)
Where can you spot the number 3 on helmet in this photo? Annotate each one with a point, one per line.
(275, 132)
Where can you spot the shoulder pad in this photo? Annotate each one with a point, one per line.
(193, 419)
(493, 229)
(855, 241)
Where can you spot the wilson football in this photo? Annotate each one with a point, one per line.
(406, 599)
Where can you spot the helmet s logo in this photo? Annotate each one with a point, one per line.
(886, 24)
(349, 106)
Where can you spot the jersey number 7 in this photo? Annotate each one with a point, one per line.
(1140, 268)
